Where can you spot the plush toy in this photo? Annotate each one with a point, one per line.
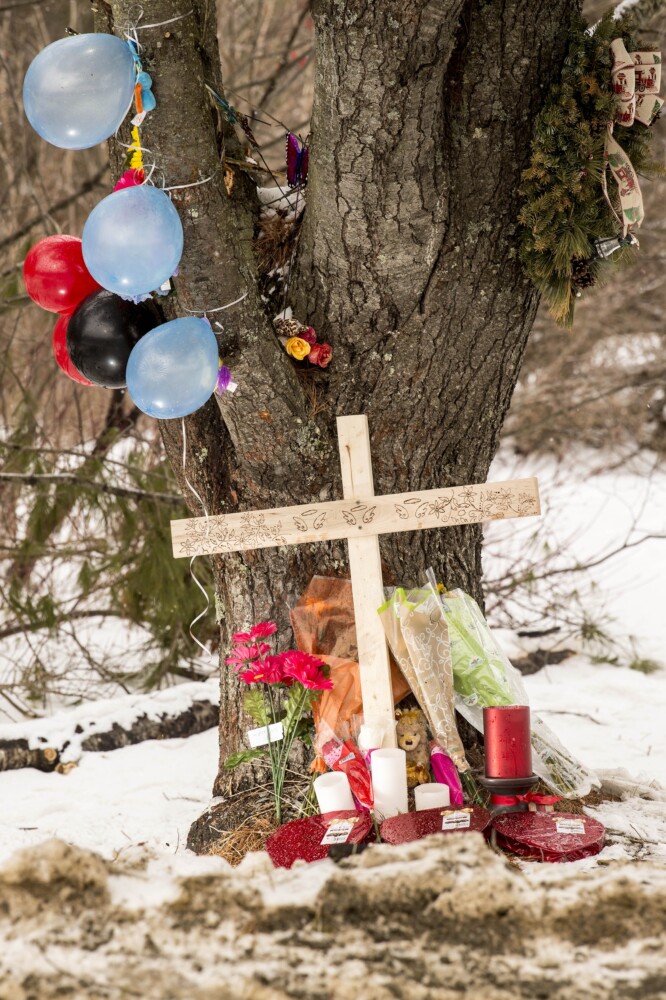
(413, 738)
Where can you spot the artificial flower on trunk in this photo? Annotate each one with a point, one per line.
(281, 689)
(297, 348)
(320, 354)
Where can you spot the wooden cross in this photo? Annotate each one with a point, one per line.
(359, 518)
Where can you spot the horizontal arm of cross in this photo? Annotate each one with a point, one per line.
(377, 515)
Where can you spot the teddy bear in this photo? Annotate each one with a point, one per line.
(413, 738)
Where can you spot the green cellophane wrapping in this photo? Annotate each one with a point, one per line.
(483, 677)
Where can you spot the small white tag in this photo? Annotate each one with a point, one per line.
(165, 287)
(265, 734)
(338, 833)
(138, 119)
(458, 820)
(570, 825)
(232, 387)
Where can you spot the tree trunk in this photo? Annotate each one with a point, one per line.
(407, 265)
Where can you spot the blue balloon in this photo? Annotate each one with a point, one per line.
(78, 90)
(172, 370)
(132, 240)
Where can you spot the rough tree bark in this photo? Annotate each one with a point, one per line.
(407, 265)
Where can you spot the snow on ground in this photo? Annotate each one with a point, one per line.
(588, 515)
(146, 794)
(149, 794)
(74, 725)
(608, 716)
(611, 716)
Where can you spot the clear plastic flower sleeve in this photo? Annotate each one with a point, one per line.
(418, 637)
(483, 676)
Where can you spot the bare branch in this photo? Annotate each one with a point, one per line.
(62, 478)
(11, 630)
(85, 188)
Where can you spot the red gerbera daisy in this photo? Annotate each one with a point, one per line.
(243, 654)
(308, 670)
(262, 630)
(270, 671)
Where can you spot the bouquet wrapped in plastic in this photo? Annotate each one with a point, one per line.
(418, 638)
(324, 626)
(483, 676)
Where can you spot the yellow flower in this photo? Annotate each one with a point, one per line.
(136, 162)
(297, 347)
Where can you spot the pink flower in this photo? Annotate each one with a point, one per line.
(306, 670)
(244, 654)
(307, 333)
(260, 631)
(252, 676)
(320, 354)
(271, 671)
(130, 179)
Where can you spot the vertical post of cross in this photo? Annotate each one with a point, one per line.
(367, 589)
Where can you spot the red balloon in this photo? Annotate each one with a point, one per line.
(55, 275)
(61, 354)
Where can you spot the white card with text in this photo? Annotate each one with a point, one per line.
(265, 734)
(338, 833)
(570, 825)
(458, 820)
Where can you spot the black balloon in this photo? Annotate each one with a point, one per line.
(102, 332)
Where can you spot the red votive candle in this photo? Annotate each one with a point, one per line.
(506, 731)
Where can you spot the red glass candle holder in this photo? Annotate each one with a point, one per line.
(508, 747)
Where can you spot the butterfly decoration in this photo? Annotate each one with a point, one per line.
(298, 160)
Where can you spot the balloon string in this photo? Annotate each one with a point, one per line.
(132, 25)
(148, 173)
(196, 579)
(159, 24)
(217, 309)
(179, 187)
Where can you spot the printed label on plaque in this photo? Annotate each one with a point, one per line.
(265, 734)
(338, 833)
(570, 825)
(458, 820)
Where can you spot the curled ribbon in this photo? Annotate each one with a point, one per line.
(636, 78)
(144, 99)
(196, 579)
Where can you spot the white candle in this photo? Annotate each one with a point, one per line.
(431, 796)
(333, 792)
(389, 782)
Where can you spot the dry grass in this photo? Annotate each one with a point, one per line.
(251, 835)
(275, 243)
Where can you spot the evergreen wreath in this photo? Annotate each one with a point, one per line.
(564, 209)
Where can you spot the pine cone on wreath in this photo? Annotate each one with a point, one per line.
(581, 274)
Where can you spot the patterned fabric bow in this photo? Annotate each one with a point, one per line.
(636, 78)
